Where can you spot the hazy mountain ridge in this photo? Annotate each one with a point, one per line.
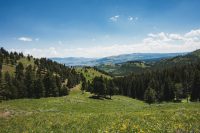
(125, 68)
(81, 61)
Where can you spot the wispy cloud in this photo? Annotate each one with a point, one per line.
(114, 18)
(25, 39)
(134, 19)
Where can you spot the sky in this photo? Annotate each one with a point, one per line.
(99, 28)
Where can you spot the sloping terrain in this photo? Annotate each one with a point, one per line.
(90, 73)
(79, 113)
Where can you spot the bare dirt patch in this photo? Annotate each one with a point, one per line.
(5, 114)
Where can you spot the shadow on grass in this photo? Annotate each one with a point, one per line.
(99, 97)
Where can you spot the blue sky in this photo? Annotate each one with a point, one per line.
(98, 28)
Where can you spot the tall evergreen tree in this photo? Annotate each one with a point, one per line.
(28, 80)
(19, 74)
(150, 95)
(99, 86)
(110, 88)
(38, 88)
(195, 94)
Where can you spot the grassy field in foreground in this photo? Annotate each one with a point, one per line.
(79, 113)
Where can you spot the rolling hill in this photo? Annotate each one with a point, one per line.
(73, 61)
(125, 68)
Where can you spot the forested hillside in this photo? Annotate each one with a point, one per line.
(27, 77)
(125, 68)
(174, 81)
(169, 84)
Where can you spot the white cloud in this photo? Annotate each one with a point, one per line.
(25, 39)
(193, 33)
(114, 18)
(175, 37)
(154, 43)
(158, 37)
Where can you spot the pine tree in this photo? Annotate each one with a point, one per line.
(28, 80)
(84, 85)
(64, 90)
(38, 88)
(178, 92)
(168, 90)
(195, 94)
(110, 88)
(99, 86)
(19, 74)
(150, 95)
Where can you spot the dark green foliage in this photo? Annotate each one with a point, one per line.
(150, 95)
(19, 71)
(173, 83)
(110, 88)
(84, 85)
(99, 87)
(178, 92)
(195, 93)
(28, 80)
(39, 90)
(64, 90)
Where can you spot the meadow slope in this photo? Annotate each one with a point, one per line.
(79, 113)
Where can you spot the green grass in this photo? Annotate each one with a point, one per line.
(91, 73)
(8, 68)
(79, 113)
(26, 62)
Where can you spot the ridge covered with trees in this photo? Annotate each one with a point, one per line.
(33, 78)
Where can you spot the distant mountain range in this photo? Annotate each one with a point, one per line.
(80, 61)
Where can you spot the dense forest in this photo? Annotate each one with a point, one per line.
(41, 78)
(169, 84)
(172, 83)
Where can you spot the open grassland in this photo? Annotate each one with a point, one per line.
(79, 113)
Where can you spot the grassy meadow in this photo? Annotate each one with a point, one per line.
(79, 113)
